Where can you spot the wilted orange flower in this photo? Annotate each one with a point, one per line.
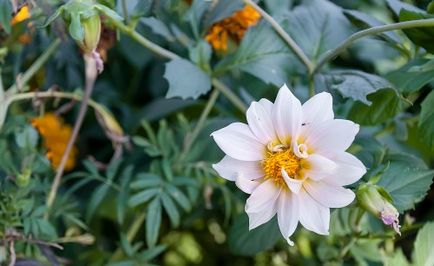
(232, 28)
(21, 15)
(56, 135)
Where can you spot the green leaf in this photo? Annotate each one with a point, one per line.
(112, 169)
(423, 254)
(201, 55)
(412, 76)
(6, 15)
(195, 14)
(397, 258)
(27, 138)
(423, 36)
(278, 7)
(179, 197)
(75, 28)
(122, 199)
(171, 210)
(145, 180)
(426, 121)
(143, 196)
(317, 26)
(263, 54)
(97, 197)
(142, 9)
(248, 243)
(56, 14)
(397, 5)
(108, 12)
(158, 27)
(153, 221)
(151, 253)
(222, 10)
(386, 103)
(407, 183)
(186, 80)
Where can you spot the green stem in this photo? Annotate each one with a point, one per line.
(285, 36)
(311, 86)
(125, 11)
(371, 31)
(34, 67)
(228, 93)
(2, 90)
(200, 123)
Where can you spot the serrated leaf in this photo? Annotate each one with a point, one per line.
(412, 76)
(423, 254)
(426, 121)
(186, 80)
(171, 210)
(386, 103)
(248, 243)
(143, 197)
(406, 183)
(153, 221)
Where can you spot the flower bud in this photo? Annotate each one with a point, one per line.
(92, 32)
(377, 201)
(23, 179)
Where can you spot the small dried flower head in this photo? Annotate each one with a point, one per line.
(56, 135)
(232, 28)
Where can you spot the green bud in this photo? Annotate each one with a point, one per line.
(92, 32)
(377, 201)
(23, 179)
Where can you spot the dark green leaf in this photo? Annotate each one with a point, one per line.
(171, 210)
(142, 9)
(5, 15)
(143, 196)
(201, 55)
(222, 10)
(179, 197)
(422, 254)
(186, 80)
(97, 197)
(158, 27)
(412, 76)
(397, 5)
(423, 36)
(248, 243)
(145, 180)
(112, 169)
(122, 199)
(151, 253)
(153, 221)
(426, 121)
(56, 14)
(108, 12)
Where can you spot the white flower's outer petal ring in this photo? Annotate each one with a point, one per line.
(245, 184)
(258, 218)
(262, 197)
(313, 216)
(317, 109)
(319, 167)
(349, 169)
(287, 214)
(260, 123)
(229, 168)
(238, 141)
(268, 106)
(328, 195)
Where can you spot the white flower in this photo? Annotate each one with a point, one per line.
(291, 158)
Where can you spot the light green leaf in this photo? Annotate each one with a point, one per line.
(386, 103)
(108, 12)
(426, 121)
(75, 28)
(171, 210)
(248, 243)
(407, 183)
(412, 76)
(153, 222)
(186, 80)
(423, 254)
(396, 259)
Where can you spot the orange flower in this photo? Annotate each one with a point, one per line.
(56, 135)
(232, 28)
(21, 15)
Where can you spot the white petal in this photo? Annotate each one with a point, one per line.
(259, 120)
(245, 184)
(229, 168)
(313, 216)
(293, 184)
(258, 218)
(328, 195)
(349, 169)
(331, 136)
(263, 197)
(238, 141)
(287, 214)
(317, 109)
(286, 115)
(268, 106)
(318, 167)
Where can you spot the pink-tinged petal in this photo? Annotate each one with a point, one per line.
(287, 214)
(229, 168)
(268, 106)
(331, 136)
(328, 195)
(258, 218)
(245, 184)
(317, 167)
(317, 109)
(287, 115)
(238, 141)
(349, 169)
(293, 184)
(260, 123)
(313, 216)
(263, 197)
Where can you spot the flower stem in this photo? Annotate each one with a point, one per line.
(200, 123)
(91, 74)
(31, 71)
(371, 31)
(2, 90)
(285, 36)
(228, 93)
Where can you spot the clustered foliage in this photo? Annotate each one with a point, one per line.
(142, 190)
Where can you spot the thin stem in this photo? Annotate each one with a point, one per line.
(35, 66)
(228, 93)
(2, 90)
(91, 74)
(201, 122)
(311, 86)
(125, 11)
(285, 36)
(371, 31)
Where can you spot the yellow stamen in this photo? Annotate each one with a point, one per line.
(275, 161)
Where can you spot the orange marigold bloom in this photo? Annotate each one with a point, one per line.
(56, 135)
(233, 28)
(21, 15)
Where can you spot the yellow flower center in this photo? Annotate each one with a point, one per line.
(275, 161)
